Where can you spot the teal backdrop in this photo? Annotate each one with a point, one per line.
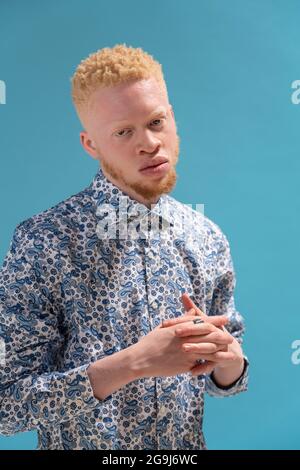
(229, 66)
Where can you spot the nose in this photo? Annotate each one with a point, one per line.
(147, 142)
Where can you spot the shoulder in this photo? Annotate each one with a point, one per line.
(53, 226)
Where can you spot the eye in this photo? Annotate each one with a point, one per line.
(157, 122)
(125, 132)
(122, 133)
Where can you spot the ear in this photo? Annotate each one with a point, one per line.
(88, 144)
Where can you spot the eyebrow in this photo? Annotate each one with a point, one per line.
(158, 111)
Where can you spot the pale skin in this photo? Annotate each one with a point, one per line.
(128, 127)
(226, 361)
(147, 131)
(163, 353)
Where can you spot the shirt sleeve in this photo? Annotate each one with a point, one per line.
(223, 304)
(33, 391)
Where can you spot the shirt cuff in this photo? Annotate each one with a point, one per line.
(240, 385)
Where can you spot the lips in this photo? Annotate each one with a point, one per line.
(155, 162)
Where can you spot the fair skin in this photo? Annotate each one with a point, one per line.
(128, 127)
(145, 136)
(227, 363)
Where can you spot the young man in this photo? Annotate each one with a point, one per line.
(104, 346)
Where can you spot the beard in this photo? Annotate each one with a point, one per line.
(147, 190)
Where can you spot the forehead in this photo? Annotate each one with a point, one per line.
(128, 100)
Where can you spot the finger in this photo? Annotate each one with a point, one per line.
(176, 321)
(188, 304)
(187, 301)
(202, 348)
(205, 368)
(219, 356)
(217, 320)
(190, 312)
(190, 328)
(221, 339)
(190, 315)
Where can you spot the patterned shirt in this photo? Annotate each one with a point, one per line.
(74, 289)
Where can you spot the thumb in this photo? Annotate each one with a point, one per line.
(217, 320)
(188, 304)
(190, 312)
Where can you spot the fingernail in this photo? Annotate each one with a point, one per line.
(187, 347)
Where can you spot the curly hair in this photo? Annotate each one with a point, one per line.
(111, 66)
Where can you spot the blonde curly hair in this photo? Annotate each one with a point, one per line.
(111, 66)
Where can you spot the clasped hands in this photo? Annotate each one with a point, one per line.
(208, 341)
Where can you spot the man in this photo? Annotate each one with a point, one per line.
(113, 330)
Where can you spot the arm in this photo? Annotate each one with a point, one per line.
(233, 377)
(111, 373)
(32, 391)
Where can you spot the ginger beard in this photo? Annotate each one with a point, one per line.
(151, 189)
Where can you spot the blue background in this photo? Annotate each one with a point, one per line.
(229, 66)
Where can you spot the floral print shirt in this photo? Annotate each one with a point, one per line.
(74, 289)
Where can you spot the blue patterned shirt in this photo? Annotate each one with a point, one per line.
(70, 295)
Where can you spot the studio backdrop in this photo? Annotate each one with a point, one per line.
(233, 74)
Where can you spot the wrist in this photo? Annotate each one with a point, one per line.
(238, 362)
(111, 373)
(227, 376)
(135, 362)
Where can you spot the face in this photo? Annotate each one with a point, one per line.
(131, 130)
